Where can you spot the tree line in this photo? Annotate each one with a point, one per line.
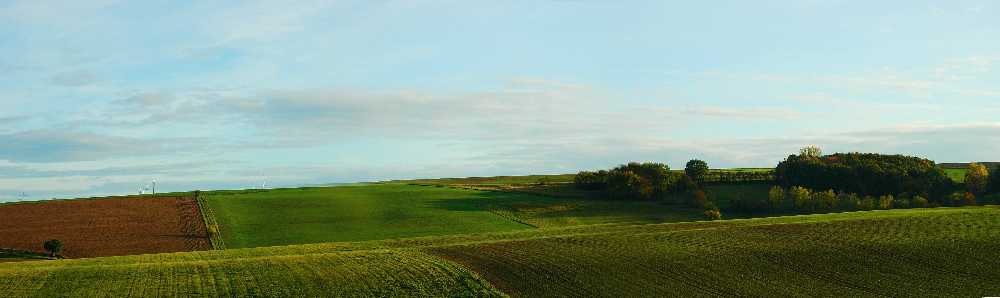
(804, 183)
(866, 174)
(652, 181)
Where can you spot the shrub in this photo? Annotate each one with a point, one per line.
(962, 199)
(885, 202)
(713, 214)
(801, 198)
(919, 202)
(993, 186)
(634, 180)
(849, 201)
(867, 203)
(901, 203)
(969, 199)
(591, 180)
(624, 185)
(698, 198)
(775, 197)
(54, 247)
(743, 202)
(825, 200)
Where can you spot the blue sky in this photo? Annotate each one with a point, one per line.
(100, 97)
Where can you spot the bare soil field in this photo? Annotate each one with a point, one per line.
(106, 227)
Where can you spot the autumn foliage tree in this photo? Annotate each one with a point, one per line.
(976, 179)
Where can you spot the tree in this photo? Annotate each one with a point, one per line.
(849, 201)
(919, 202)
(994, 185)
(811, 151)
(825, 200)
(591, 180)
(698, 198)
(976, 178)
(697, 170)
(775, 197)
(801, 198)
(885, 202)
(54, 247)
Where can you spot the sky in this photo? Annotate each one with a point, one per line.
(101, 97)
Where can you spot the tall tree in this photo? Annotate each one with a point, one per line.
(976, 178)
(696, 170)
(994, 185)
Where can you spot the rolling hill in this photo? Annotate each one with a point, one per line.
(939, 252)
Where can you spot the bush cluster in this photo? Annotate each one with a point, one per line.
(642, 181)
(805, 200)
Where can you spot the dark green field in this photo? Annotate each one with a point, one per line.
(939, 252)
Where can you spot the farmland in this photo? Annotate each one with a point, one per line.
(914, 252)
(384, 211)
(105, 227)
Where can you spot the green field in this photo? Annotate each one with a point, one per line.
(958, 175)
(354, 213)
(939, 252)
(385, 211)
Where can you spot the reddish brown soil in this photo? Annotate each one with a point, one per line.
(106, 227)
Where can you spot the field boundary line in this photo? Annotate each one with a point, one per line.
(214, 231)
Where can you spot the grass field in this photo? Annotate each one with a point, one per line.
(353, 213)
(940, 252)
(385, 211)
(958, 175)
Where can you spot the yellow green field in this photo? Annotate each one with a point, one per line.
(939, 252)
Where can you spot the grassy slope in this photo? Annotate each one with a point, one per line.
(916, 252)
(353, 213)
(385, 211)
(921, 253)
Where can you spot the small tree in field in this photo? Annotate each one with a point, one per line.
(697, 170)
(801, 197)
(919, 202)
(885, 202)
(54, 247)
(976, 178)
(775, 197)
(825, 200)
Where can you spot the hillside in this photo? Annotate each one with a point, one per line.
(385, 211)
(940, 252)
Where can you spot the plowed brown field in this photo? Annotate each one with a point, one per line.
(106, 227)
